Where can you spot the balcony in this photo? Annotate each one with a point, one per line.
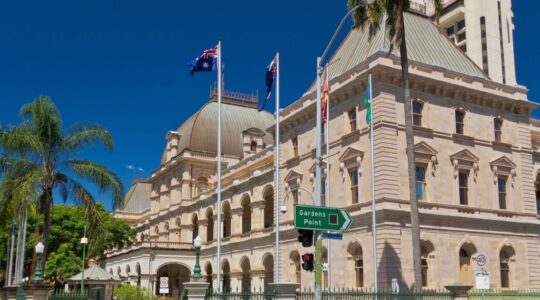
(150, 245)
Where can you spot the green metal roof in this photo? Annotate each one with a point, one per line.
(95, 273)
(425, 44)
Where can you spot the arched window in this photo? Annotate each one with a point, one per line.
(355, 251)
(504, 265)
(253, 146)
(426, 248)
(226, 286)
(195, 226)
(417, 108)
(297, 266)
(210, 226)
(465, 271)
(226, 220)
(268, 207)
(166, 226)
(156, 229)
(246, 215)
(460, 121)
(497, 129)
(209, 276)
(246, 276)
(268, 264)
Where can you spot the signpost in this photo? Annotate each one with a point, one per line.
(164, 285)
(321, 218)
(481, 276)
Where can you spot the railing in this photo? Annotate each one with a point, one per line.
(60, 294)
(504, 294)
(352, 294)
(418, 8)
(256, 295)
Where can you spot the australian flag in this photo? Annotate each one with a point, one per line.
(206, 62)
(270, 77)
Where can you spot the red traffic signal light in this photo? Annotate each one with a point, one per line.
(308, 262)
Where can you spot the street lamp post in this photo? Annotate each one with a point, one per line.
(84, 242)
(318, 158)
(197, 242)
(38, 276)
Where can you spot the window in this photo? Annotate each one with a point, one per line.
(463, 47)
(501, 187)
(485, 65)
(295, 196)
(463, 187)
(294, 142)
(461, 37)
(424, 265)
(461, 24)
(497, 126)
(537, 202)
(421, 183)
(450, 30)
(253, 146)
(505, 270)
(417, 113)
(460, 115)
(352, 119)
(359, 272)
(353, 174)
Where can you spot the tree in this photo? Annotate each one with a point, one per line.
(391, 13)
(65, 250)
(39, 160)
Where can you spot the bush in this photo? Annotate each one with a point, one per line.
(131, 292)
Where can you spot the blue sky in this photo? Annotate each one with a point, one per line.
(121, 64)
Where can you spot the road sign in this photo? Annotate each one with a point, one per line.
(321, 218)
(164, 285)
(481, 280)
(332, 236)
(481, 260)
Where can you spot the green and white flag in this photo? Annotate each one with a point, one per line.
(367, 100)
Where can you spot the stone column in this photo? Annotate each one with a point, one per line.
(284, 290)
(236, 221)
(202, 229)
(459, 291)
(257, 215)
(257, 280)
(196, 289)
(236, 281)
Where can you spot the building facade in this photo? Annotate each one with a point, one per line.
(477, 167)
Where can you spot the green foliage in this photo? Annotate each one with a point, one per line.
(67, 228)
(130, 292)
(63, 263)
(38, 160)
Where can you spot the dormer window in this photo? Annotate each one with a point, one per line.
(417, 112)
(253, 146)
(352, 119)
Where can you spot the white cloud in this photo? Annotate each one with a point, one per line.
(134, 168)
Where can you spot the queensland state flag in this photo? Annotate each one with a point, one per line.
(270, 77)
(324, 101)
(206, 62)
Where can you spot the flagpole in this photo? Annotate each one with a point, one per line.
(218, 263)
(373, 208)
(276, 191)
(327, 181)
(316, 235)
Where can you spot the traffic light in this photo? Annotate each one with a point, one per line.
(305, 237)
(308, 262)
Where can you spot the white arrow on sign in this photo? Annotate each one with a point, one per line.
(347, 218)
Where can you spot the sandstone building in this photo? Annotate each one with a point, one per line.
(477, 166)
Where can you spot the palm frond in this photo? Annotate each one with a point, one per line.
(16, 165)
(376, 15)
(45, 118)
(21, 139)
(438, 5)
(106, 180)
(87, 136)
(359, 15)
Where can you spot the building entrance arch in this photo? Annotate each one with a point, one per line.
(177, 275)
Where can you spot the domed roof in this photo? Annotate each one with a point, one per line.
(199, 132)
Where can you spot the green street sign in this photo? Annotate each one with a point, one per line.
(321, 218)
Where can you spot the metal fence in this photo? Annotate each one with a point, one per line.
(256, 295)
(366, 294)
(60, 294)
(504, 294)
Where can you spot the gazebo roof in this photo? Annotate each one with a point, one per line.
(95, 273)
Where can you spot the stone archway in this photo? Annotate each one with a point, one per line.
(268, 264)
(466, 252)
(177, 274)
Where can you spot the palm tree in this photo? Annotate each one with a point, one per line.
(391, 13)
(39, 160)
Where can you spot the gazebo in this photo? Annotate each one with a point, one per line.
(98, 282)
